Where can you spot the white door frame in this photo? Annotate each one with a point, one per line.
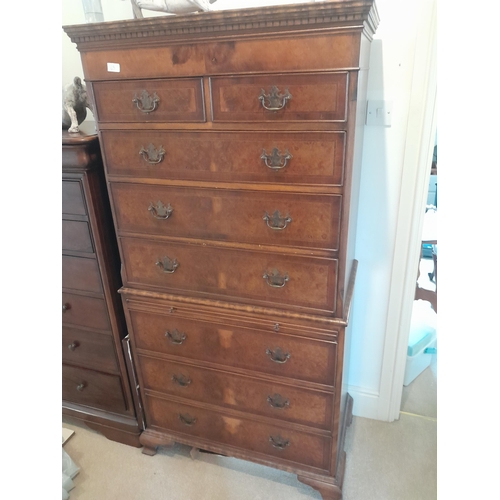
(422, 122)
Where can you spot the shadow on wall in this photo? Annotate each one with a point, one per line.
(374, 246)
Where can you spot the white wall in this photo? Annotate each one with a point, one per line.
(391, 78)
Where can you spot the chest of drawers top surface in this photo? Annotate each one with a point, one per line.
(80, 151)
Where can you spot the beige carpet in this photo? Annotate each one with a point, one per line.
(420, 397)
(392, 461)
(385, 461)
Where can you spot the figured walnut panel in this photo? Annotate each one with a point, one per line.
(168, 100)
(307, 53)
(241, 346)
(271, 399)
(316, 157)
(229, 215)
(298, 447)
(312, 97)
(231, 273)
(265, 54)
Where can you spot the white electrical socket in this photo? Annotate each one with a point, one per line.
(379, 113)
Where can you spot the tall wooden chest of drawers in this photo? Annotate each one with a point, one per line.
(231, 143)
(96, 388)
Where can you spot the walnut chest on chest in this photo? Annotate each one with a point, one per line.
(232, 145)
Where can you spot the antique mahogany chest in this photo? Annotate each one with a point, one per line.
(95, 378)
(232, 145)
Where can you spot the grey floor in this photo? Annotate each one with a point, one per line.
(385, 461)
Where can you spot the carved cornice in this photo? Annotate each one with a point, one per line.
(360, 14)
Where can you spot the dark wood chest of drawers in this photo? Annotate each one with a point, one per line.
(96, 388)
(231, 143)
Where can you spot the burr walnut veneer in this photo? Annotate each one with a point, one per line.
(96, 388)
(231, 142)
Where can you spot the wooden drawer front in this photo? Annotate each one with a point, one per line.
(232, 273)
(89, 349)
(242, 393)
(178, 100)
(79, 273)
(238, 347)
(316, 51)
(238, 216)
(72, 198)
(85, 311)
(76, 236)
(313, 97)
(298, 447)
(305, 157)
(91, 388)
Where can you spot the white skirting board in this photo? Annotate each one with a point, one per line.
(366, 403)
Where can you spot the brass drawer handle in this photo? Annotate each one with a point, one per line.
(275, 100)
(74, 345)
(175, 336)
(147, 102)
(275, 221)
(181, 380)
(81, 386)
(160, 211)
(187, 419)
(152, 155)
(278, 442)
(274, 279)
(275, 160)
(167, 265)
(278, 401)
(66, 307)
(278, 356)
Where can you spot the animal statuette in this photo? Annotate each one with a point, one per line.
(171, 6)
(75, 104)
